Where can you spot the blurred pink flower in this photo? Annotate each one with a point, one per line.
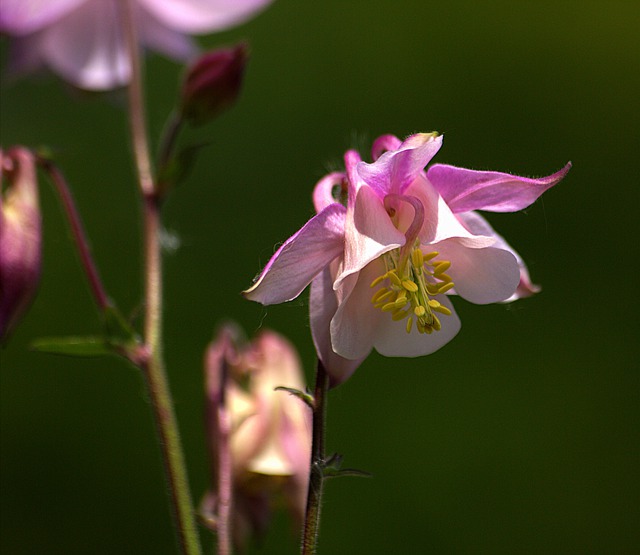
(82, 40)
(20, 236)
(270, 437)
(382, 266)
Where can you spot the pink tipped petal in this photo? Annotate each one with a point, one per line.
(323, 304)
(392, 339)
(395, 170)
(383, 144)
(21, 17)
(465, 190)
(481, 275)
(101, 62)
(355, 323)
(300, 258)
(203, 16)
(475, 223)
(369, 233)
(323, 191)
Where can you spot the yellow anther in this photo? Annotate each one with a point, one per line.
(385, 297)
(399, 315)
(441, 267)
(417, 258)
(389, 307)
(379, 294)
(400, 302)
(433, 303)
(393, 278)
(430, 256)
(378, 280)
(446, 287)
(443, 310)
(409, 285)
(446, 278)
(436, 324)
(419, 311)
(409, 324)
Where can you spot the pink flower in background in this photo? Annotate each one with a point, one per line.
(270, 436)
(83, 41)
(383, 266)
(20, 236)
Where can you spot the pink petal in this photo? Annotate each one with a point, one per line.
(369, 232)
(323, 304)
(384, 143)
(465, 190)
(481, 275)
(323, 191)
(477, 224)
(356, 321)
(21, 17)
(160, 38)
(439, 222)
(203, 16)
(300, 258)
(87, 48)
(395, 170)
(392, 339)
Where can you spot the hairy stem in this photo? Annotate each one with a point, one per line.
(153, 365)
(316, 472)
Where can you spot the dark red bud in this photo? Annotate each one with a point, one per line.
(213, 83)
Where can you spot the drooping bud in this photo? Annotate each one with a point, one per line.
(270, 435)
(212, 84)
(20, 236)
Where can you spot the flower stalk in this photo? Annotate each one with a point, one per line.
(153, 364)
(78, 233)
(316, 471)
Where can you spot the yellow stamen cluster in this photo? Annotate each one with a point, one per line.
(410, 282)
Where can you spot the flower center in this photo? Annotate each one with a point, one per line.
(409, 282)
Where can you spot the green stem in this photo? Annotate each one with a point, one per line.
(153, 363)
(316, 473)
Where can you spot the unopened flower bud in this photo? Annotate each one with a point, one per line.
(20, 236)
(213, 83)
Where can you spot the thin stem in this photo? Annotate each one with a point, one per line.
(153, 366)
(78, 233)
(316, 475)
(224, 470)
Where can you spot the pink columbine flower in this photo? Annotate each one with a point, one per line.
(83, 41)
(270, 436)
(382, 267)
(20, 236)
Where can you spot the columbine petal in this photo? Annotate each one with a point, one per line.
(22, 17)
(369, 233)
(323, 304)
(353, 328)
(475, 223)
(203, 16)
(465, 190)
(395, 170)
(392, 340)
(323, 191)
(300, 258)
(86, 47)
(482, 275)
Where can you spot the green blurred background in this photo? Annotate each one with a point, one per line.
(520, 436)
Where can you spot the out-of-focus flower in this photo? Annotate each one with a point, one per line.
(20, 236)
(83, 40)
(212, 84)
(270, 436)
(382, 267)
